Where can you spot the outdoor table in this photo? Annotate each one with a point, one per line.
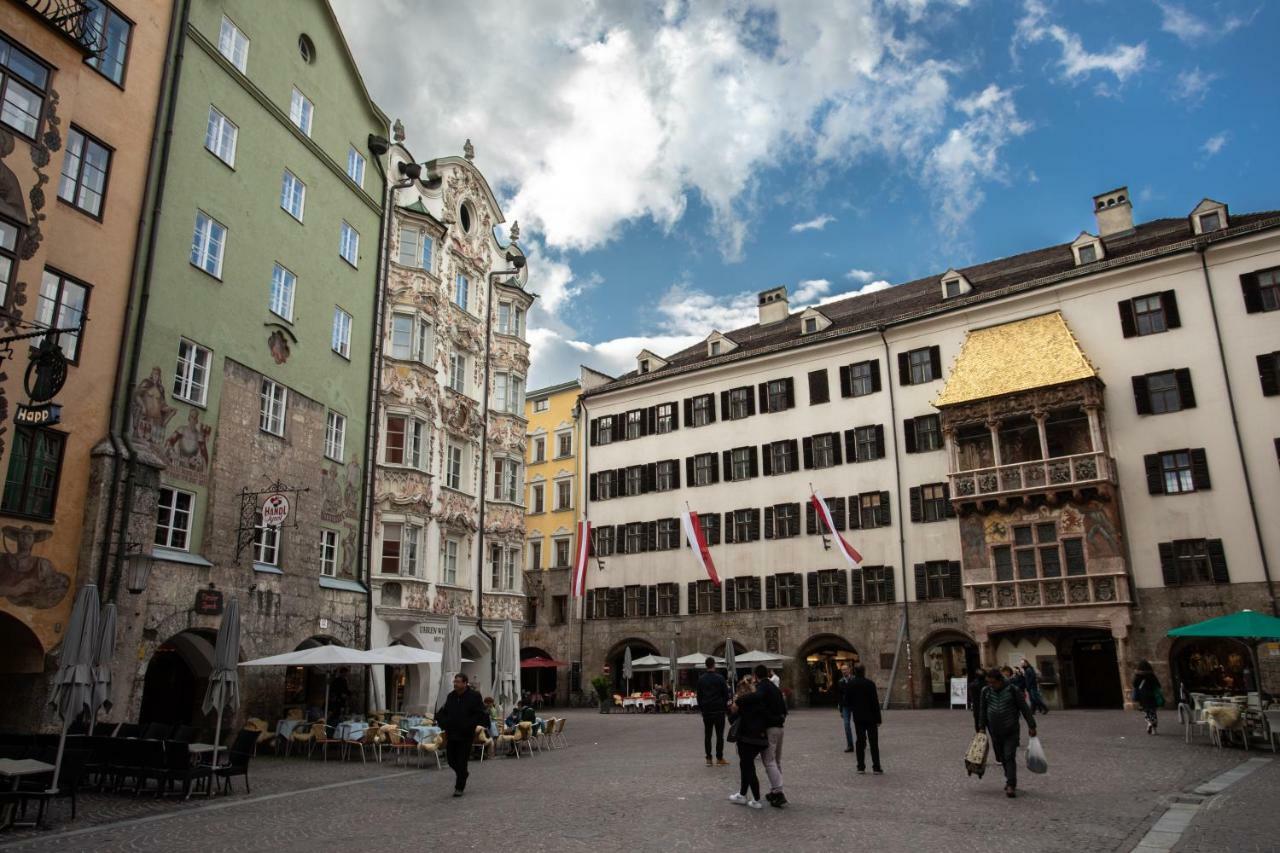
(424, 734)
(196, 751)
(630, 703)
(686, 702)
(285, 728)
(15, 769)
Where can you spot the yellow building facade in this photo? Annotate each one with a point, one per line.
(552, 477)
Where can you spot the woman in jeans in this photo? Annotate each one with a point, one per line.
(752, 741)
(1145, 685)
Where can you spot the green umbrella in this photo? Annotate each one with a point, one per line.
(1248, 625)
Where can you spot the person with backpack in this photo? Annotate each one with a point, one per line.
(1147, 693)
(999, 711)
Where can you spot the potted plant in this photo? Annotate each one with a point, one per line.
(601, 685)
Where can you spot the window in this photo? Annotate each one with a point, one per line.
(739, 404)
(635, 424)
(62, 306)
(824, 450)
(449, 561)
(349, 244)
(743, 595)
(606, 485)
(861, 379)
(779, 394)
(709, 524)
(668, 534)
(830, 583)
(207, 243)
(644, 365)
(415, 248)
(453, 466)
(664, 477)
(537, 498)
(1035, 553)
(535, 556)
(704, 469)
(1088, 253)
(951, 287)
(306, 49)
(510, 319)
(602, 541)
(283, 283)
(266, 542)
(877, 584)
(786, 520)
(665, 418)
(461, 290)
(340, 340)
(931, 503)
(604, 429)
(789, 591)
(1261, 289)
(668, 599)
(25, 80)
(1174, 472)
(743, 524)
(111, 49)
(271, 410)
(173, 518)
(328, 553)
(868, 442)
(741, 459)
(508, 393)
(411, 337)
(293, 195)
(873, 509)
(713, 348)
(559, 609)
(1185, 562)
(819, 390)
(31, 485)
(633, 481)
(539, 449)
(707, 598)
(810, 325)
(405, 443)
(355, 166)
(335, 436)
(1210, 222)
(8, 258)
(458, 372)
(234, 45)
(782, 457)
(702, 410)
(220, 136)
(564, 444)
(1149, 315)
(937, 579)
(564, 495)
(502, 568)
(84, 172)
(191, 376)
(1167, 391)
(919, 366)
(562, 553)
(923, 434)
(541, 405)
(301, 110)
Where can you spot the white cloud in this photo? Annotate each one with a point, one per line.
(809, 291)
(1193, 29)
(1121, 60)
(815, 224)
(1192, 86)
(863, 276)
(1215, 143)
(870, 287)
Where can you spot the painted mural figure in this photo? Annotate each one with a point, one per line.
(151, 410)
(188, 447)
(25, 579)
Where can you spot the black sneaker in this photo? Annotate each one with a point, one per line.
(770, 797)
(778, 799)
(877, 771)
(850, 749)
(862, 770)
(457, 792)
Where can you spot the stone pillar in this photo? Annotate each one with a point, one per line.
(1095, 428)
(953, 452)
(994, 426)
(1125, 663)
(1041, 417)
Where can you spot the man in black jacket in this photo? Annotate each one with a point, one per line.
(461, 712)
(864, 707)
(999, 710)
(713, 700)
(842, 703)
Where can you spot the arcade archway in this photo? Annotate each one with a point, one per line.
(304, 686)
(639, 680)
(23, 653)
(541, 681)
(947, 655)
(822, 656)
(1211, 665)
(177, 676)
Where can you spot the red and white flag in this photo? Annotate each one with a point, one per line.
(698, 544)
(581, 559)
(820, 506)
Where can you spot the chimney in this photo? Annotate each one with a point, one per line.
(1114, 213)
(773, 305)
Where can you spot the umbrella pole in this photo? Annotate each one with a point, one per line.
(326, 696)
(217, 733)
(57, 762)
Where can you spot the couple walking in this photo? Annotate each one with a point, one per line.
(757, 712)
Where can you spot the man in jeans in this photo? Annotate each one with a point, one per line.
(713, 700)
(775, 715)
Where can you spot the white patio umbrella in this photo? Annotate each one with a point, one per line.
(73, 683)
(696, 660)
(626, 668)
(105, 651)
(505, 689)
(330, 655)
(650, 663)
(730, 664)
(674, 663)
(224, 681)
(768, 659)
(395, 655)
(451, 659)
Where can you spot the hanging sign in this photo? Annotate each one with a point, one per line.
(209, 602)
(275, 509)
(44, 415)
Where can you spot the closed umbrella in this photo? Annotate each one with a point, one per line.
(224, 680)
(450, 659)
(626, 668)
(504, 683)
(73, 683)
(730, 664)
(675, 668)
(102, 656)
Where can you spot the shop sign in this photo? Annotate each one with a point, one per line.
(208, 602)
(44, 415)
(275, 509)
(959, 692)
(431, 629)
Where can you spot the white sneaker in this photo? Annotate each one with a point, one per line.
(754, 804)
(737, 798)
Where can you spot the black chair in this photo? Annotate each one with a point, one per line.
(184, 734)
(70, 779)
(152, 764)
(238, 760)
(129, 730)
(178, 767)
(158, 731)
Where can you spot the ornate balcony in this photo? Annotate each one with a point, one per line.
(70, 19)
(1038, 593)
(1040, 475)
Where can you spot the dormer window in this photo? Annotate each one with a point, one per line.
(810, 325)
(954, 284)
(647, 362)
(1087, 249)
(1088, 254)
(644, 365)
(1210, 222)
(713, 348)
(1209, 216)
(951, 288)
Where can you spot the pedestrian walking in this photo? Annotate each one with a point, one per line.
(1032, 681)
(843, 703)
(864, 705)
(977, 683)
(1000, 707)
(749, 732)
(774, 705)
(713, 701)
(1147, 693)
(459, 716)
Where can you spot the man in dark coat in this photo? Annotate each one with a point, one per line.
(1000, 707)
(842, 702)
(864, 707)
(1032, 681)
(713, 701)
(462, 711)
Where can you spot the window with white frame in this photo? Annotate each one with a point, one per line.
(301, 111)
(453, 466)
(461, 291)
(561, 555)
(405, 441)
(328, 553)
(411, 337)
(508, 393)
(502, 568)
(506, 480)
(293, 195)
(355, 166)
(541, 405)
(449, 549)
(564, 444)
(400, 548)
(458, 372)
(174, 509)
(283, 283)
(564, 494)
(537, 498)
(335, 436)
(208, 243)
(510, 319)
(415, 248)
(341, 340)
(191, 376)
(539, 449)
(266, 542)
(220, 136)
(271, 409)
(234, 45)
(349, 244)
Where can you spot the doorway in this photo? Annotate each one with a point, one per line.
(1096, 671)
(823, 656)
(943, 661)
(177, 675)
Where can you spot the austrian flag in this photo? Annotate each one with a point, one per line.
(698, 544)
(820, 506)
(580, 559)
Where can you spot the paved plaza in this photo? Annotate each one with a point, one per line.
(638, 783)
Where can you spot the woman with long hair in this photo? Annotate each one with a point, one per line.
(1146, 692)
(749, 727)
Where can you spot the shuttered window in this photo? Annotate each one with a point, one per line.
(1187, 562)
(864, 443)
(1261, 290)
(931, 502)
(860, 379)
(818, 390)
(1163, 392)
(1269, 373)
(784, 590)
(1173, 472)
(937, 579)
(1149, 314)
(872, 585)
(919, 366)
(668, 599)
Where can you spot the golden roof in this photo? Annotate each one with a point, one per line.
(1033, 353)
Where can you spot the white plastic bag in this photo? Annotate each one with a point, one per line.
(1036, 762)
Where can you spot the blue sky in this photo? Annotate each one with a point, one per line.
(668, 160)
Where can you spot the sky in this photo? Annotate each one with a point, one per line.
(668, 160)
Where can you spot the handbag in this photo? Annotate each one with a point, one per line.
(732, 736)
(1036, 762)
(1159, 697)
(975, 759)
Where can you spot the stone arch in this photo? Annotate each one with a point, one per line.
(639, 648)
(942, 655)
(542, 681)
(820, 658)
(23, 651)
(176, 677)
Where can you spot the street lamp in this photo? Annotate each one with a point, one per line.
(140, 563)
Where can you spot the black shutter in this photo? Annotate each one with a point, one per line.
(751, 400)
(1199, 469)
(768, 522)
(810, 519)
(855, 513)
(724, 404)
(651, 536)
(949, 509)
(842, 587)
(1168, 565)
(889, 594)
(675, 415)
(791, 392)
(592, 490)
(693, 597)
(1217, 560)
(755, 464)
(651, 421)
(688, 412)
(846, 381)
(875, 374)
(728, 528)
(1269, 373)
(954, 588)
(755, 593)
(1169, 300)
(904, 368)
(813, 589)
(909, 435)
(1252, 295)
(1140, 396)
(675, 472)
(652, 595)
(711, 408)
(922, 584)
(851, 445)
(766, 450)
(764, 398)
(886, 515)
(715, 469)
(729, 594)
(880, 451)
(727, 458)
(855, 586)
(595, 431)
(917, 506)
(1128, 326)
(837, 456)
(649, 478)
(1186, 394)
(688, 470)
(1155, 474)
(754, 534)
(717, 598)
(620, 428)
(771, 592)
(935, 362)
(591, 604)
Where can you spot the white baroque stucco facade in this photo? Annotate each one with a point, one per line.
(448, 522)
(1058, 455)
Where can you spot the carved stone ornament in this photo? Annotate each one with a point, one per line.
(1084, 393)
(404, 489)
(402, 383)
(462, 415)
(502, 607)
(457, 512)
(505, 523)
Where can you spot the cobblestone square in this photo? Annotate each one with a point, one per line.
(638, 783)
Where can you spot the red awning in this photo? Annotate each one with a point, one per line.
(541, 663)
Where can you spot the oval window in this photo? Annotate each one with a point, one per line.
(464, 216)
(307, 48)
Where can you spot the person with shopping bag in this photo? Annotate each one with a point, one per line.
(1148, 695)
(999, 711)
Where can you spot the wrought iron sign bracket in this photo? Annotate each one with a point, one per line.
(251, 504)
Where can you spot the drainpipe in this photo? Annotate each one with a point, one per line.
(584, 445)
(1202, 249)
(902, 530)
(135, 350)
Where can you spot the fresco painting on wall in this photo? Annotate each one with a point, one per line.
(28, 580)
(187, 450)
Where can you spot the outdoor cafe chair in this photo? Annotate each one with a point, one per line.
(522, 734)
(70, 778)
(557, 736)
(158, 731)
(178, 767)
(304, 737)
(237, 761)
(395, 740)
(432, 747)
(482, 741)
(150, 765)
(321, 737)
(1192, 720)
(370, 737)
(544, 736)
(1271, 723)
